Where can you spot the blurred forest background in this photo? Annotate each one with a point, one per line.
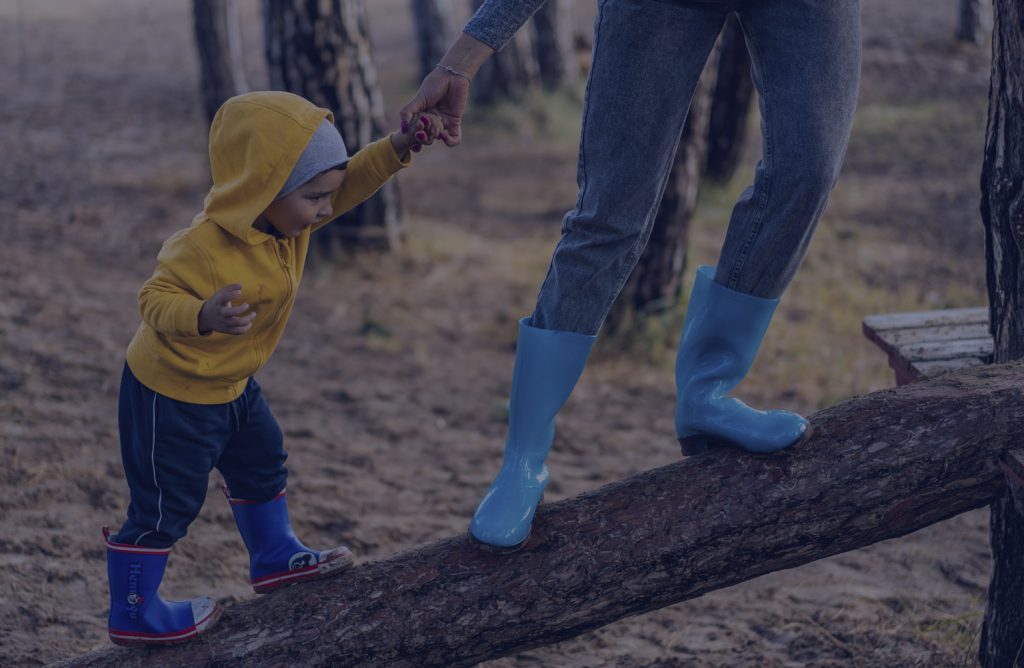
(392, 381)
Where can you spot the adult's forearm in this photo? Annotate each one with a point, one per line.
(467, 54)
(497, 20)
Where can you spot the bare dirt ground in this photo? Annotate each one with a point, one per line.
(391, 382)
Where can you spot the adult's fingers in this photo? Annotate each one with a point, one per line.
(414, 106)
(423, 138)
(452, 136)
(436, 89)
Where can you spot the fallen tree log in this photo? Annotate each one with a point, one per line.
(876, 467)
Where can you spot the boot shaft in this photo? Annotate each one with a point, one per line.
(722, 333)
(548, 364)
(267, 532)
(134, 573)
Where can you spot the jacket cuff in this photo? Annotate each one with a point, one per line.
(384, 161)
(186, 320)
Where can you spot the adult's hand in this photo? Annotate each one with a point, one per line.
(445, 92)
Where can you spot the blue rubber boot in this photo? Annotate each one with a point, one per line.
(548, 364)
(138, 616)
(721, 336)
(276, 556)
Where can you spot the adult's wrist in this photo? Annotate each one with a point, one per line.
(465, 56)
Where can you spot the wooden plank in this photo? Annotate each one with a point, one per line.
(953, 316)
(901, 337)
(929, 369)
(944, 350)
(872, 335)
(929, 343)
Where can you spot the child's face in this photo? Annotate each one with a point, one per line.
(308, 205)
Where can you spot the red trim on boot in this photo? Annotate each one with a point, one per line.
(237, 502)
(134, 549)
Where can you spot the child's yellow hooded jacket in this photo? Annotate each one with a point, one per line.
(255, 141)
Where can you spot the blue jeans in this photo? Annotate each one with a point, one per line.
(648, 56)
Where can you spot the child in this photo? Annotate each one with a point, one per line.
(212, 314)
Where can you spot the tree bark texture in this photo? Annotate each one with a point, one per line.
(969, 24)
(432, 20)
(730, 104)
(510, 74)
(1002, 635)
(656, 282)
(1002, 182)
(1002, 211)
(320, 49)
(552, 33)
(876, 467)
(219, 42)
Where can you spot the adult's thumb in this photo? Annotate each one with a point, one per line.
(411, 108)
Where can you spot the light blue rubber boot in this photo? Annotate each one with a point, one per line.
(548, 364)
(138, 616)
(276, 557)
(721, 336)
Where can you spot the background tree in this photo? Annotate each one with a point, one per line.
(432, 20)
(321, 51)
(1002, 212)
(730, 104)
(512, 73)
(553, 45)
(969, 24)
(219, 42)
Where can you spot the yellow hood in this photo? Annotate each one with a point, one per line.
(255, 141)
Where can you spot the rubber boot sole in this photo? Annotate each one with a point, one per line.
(133, 639)
(498, 549)
(699, 444)
(338, 559)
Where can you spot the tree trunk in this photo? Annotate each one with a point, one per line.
(552, 33)
(219, 41)
(876, 467)
(969, 28)
(320, 49)
(432, 21)
(730, 104)
(510, 74)
(1002, 211)
(657, 280)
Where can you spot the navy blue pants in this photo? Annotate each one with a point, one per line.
(169, 447)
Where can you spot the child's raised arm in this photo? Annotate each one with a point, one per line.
(374, 164)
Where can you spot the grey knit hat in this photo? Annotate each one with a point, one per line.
(324, 151)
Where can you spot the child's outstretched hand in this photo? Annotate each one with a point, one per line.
(218, 315)
(427, 127)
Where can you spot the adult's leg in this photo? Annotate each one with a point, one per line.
(648, 57)
(806, 56)
(806, 66)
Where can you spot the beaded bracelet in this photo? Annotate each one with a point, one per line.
(451, 70)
